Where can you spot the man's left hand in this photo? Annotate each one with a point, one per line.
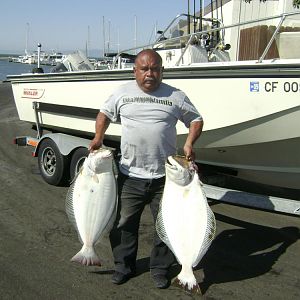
(189, 152)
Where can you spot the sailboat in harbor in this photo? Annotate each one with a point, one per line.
(239, 63)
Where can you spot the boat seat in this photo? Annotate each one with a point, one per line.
(219, 56)
(197, 54)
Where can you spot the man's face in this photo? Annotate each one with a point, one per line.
(148, 72)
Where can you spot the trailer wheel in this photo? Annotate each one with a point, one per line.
(53, 165)
(77, 160)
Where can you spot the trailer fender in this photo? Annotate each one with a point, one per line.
(65, 143)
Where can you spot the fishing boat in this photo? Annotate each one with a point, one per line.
(238, 62)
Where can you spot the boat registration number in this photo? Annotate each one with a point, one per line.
(272, 86)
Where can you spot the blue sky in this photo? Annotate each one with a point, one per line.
(66, 25)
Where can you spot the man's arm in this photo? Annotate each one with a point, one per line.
(195, 130)
(102, 123)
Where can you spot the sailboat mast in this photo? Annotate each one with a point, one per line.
(88, 42)
(118, 44)
(188, 19)
(27, 37)
(200, 15)
(103, 32)
(108, 41)
(135, 34)
(194, 21)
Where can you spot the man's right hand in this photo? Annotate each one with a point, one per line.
(102, 122)
(95, 144)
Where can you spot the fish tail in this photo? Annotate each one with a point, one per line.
(189, 284)
(87, 257)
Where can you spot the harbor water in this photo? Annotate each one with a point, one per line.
(11, 68)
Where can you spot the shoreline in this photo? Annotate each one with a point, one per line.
(6, 93)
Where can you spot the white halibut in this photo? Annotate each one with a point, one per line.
(185, 221)
(91, 203)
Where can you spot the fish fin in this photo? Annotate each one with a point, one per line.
(190, 287)
(69, 204)
(70, 208)
(111, 221)
(87, 257)
(210, 232)
(160, 228)
(108, 227)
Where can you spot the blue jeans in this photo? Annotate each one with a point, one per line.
(134, 194)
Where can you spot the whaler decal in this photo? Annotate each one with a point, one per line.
(33, 93)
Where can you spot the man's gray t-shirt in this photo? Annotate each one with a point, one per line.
(148, 126)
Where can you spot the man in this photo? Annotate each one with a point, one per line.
(148, 111)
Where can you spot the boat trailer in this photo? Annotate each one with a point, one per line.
(62, 146)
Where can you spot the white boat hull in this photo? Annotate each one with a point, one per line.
(251, 113)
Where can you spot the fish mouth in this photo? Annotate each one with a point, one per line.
(168, 162)
(177, 162)
(182, 160)
(171, 163)
(178, 170)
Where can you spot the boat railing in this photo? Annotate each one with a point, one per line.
(195, 19)
(162, 34)
(282, 17)
(162, 40)
(195, 37)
